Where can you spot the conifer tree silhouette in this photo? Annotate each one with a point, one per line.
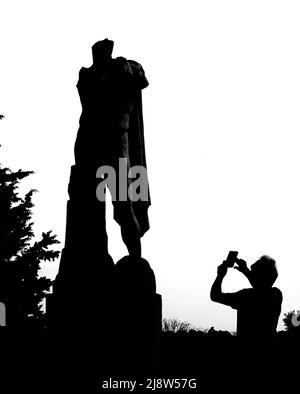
(21, 288)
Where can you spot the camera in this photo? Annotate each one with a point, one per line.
(231, 258)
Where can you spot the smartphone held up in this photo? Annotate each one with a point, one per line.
(231, 259)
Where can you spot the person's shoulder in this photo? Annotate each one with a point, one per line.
(246, 291)
(277, 293)
(244, 294)
(239, 299)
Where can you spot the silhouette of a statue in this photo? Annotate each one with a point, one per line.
(111, 128)
(91, 294)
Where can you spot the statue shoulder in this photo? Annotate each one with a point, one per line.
(135, 71)
(128, 66)
(135, 64)
(139, 74)
(84, 74)
(84, 71)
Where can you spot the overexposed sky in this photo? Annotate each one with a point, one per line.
(221, 121)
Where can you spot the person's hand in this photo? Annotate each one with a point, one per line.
(241, 266)
(222, 269)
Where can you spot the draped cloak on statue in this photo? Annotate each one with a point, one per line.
(111, 125)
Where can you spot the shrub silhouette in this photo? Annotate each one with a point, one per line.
(175, 325)
(291, 321)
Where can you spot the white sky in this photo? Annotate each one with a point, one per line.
(221, 125)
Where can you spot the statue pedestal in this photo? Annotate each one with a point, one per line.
(117, 322)
(139, 316)
(105, 319)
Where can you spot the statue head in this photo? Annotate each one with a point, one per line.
(102, 51)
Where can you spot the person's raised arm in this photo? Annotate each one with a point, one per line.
(216, 293)
(241, 266)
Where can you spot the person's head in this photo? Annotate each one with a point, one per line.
(102, 51)
(264, 272)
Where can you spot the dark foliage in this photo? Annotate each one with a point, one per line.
(291, 321)
(175, 325)
(21, 288)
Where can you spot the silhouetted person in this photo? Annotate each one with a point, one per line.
(111, 127)
(258, 308)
